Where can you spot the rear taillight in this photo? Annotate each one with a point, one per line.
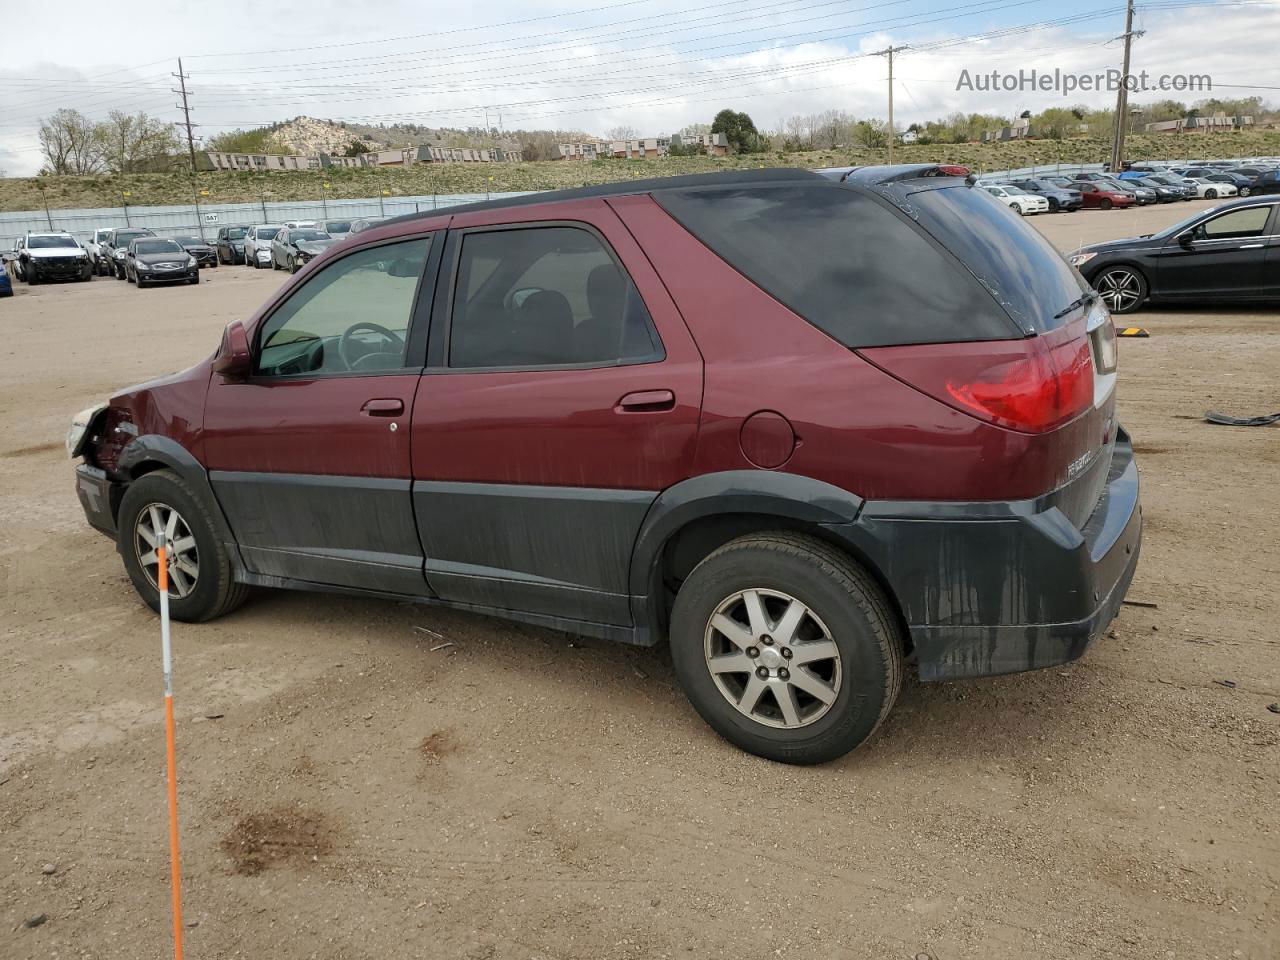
(1028, 385)
(1102, 331)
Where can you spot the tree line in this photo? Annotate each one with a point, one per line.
(123, 143)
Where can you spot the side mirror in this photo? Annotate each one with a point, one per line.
(1186, 239)
(233, 359)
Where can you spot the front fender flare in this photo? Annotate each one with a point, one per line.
(156, 448)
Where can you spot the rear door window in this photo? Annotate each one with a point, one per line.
(547, 296)
(844, 260)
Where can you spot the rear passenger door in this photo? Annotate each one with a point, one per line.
(561, 395)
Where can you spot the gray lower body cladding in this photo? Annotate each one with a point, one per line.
(996, 588)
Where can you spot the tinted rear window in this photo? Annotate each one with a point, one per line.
(1018, 265)
(842, 260)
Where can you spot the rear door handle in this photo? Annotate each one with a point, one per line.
(647, 401)
(1252, 246)
(388, 407)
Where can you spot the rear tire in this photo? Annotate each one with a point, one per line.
(844, 612)
(1244, 191)
(213, 590)
(1053, 205)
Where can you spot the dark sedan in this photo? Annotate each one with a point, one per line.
(157, 260)
(1230, 252)
(1267, 182)
(203, 251)
(1165, 193)
(230, 244)
(1059, 197)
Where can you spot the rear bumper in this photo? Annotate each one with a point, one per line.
(1002, 587)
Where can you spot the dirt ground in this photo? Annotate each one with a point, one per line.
(353, 787)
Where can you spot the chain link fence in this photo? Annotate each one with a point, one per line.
(204, 220)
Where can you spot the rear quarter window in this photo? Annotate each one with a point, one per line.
(843, 260)
(1019, 266)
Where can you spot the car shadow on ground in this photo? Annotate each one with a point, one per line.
(978, 719)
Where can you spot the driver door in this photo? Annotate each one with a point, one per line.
(309, 456)
(1221, 256)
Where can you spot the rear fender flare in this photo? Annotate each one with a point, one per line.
(764, 492)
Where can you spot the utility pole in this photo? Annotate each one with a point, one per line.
(1122, 95)
(186, 113)
(889, 52)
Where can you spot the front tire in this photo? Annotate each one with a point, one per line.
(1105, 204)
(1211, 194)
(201, 585)
(1123, 288)
(1244, 191)
(786, 647)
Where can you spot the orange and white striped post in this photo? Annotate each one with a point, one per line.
(175, 869)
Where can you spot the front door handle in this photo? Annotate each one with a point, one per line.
(647, 401)
(388, 407)
(1252, 246)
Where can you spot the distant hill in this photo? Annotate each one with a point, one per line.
(306, 135)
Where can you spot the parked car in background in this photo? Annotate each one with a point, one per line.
(116, 247)
(6, 282)
(96, 249)
(1174, 182)
(364, 223)
(1252, 173)
(338, 229)
(1142, 195)
(230, 244)
(1091, 176)
(1223, 254)
(376, 431)
(202, 250)
(1164, 192)
(151, 260)
(1060, 198)
(1235, 179)
(1267, 182)
(295, 246)
(257, 244)
(1019, 201)
(1209, 189)
(1105, 195)
(42, 257)
(292, 224)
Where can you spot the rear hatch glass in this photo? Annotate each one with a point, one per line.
(1009, 256)
(844, 260)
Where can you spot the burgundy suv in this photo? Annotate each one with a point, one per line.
(802, 429)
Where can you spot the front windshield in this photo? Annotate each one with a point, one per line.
(156, 246)
(304, 235)
(1184, 223)
(189, 241)
(124, 236)
(237, 233)
(266, 233)
(338, 226)
(1014, 192)
(101, 235)
(50, 243)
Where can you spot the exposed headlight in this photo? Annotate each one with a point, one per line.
(79, 429)
(1076, 259)
(140, 266)
(83, 255)
(191, 261)
(118, 254)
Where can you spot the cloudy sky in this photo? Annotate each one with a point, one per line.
(655, 65)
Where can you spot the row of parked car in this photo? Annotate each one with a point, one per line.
(138, 255)
(1134, 187)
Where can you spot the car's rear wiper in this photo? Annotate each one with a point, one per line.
(1085, 300)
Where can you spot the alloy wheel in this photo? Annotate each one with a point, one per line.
(184, 558)
(772, 658)
(1120, 289)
